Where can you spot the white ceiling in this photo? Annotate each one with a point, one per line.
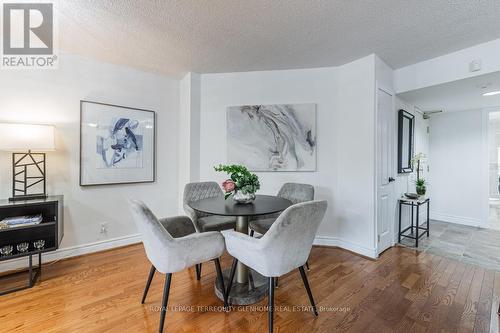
(466, 94)
(176, 36)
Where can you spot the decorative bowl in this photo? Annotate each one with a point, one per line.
(243, 198)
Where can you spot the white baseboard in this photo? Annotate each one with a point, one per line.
(473, 222)
(337, 242)
(72, 251)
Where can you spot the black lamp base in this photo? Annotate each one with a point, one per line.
(28, 197)
(28, 170)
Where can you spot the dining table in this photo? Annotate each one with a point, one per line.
(249, 286)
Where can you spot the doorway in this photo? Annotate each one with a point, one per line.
(385, 169)
(494, 169)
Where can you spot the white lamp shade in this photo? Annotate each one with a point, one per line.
(23, 137)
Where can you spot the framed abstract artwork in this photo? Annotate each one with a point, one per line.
(278, 137)
(117, 144)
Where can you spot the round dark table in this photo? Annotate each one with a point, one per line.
(249, 287)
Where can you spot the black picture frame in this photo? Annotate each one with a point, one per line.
(405, 140)
(82, 184)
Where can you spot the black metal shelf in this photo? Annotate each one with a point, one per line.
(50, 230)
(414, 203)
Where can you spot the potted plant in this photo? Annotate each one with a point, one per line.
(420, 186)
(242, 184)
(420, 183)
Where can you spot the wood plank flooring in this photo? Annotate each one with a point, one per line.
(403, 291)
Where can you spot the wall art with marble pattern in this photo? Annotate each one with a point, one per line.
(278, 137)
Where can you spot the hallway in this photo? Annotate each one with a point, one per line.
(467, 244)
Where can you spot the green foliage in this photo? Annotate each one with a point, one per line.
(245, 181)
(420, 182)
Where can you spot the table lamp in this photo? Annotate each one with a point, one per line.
(28, 168)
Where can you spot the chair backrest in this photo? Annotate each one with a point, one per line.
(290, 238)
(296, 192)
(198, 191)
(155, 237)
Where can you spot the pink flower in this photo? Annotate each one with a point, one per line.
(228, 185)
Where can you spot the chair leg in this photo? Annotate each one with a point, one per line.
(276, 282)
(270, 313)
(148, 284)
(220, 277)
(307, 265)
(198, 272)
(230, 282)
(251, 232)
(166, 291)
(309, 293)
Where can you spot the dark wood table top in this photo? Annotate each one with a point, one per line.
(262, 205)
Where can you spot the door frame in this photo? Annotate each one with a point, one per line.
(389, 91)
(485, 177)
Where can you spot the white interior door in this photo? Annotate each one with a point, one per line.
(385, 169)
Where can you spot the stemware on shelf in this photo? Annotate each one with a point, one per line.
(6, 250)
(39, 244)
(22, 247)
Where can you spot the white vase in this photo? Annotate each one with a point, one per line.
(243, 198)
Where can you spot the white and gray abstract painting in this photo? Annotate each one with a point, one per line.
(280, 137)
(119, 145)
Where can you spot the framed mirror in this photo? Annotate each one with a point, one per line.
(406, 126)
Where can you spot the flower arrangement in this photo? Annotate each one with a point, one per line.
(241, 180)
(420, 183)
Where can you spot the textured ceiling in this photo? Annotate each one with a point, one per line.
(176, 36)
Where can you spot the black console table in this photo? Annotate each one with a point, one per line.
(50, 230)
(413, 203)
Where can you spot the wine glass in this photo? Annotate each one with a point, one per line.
(6, 250)
(22, 247)
(39, 244)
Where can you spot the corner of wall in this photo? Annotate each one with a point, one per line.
(189, 132)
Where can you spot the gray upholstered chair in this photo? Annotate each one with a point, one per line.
(172, 245)
(283, 248)
(294, 192)
(205, 222)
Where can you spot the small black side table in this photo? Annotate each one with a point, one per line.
(50, 230)
(413, 203)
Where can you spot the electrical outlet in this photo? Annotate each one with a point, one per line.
(104, 227)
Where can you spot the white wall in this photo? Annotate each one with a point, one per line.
(53, 96)
(345, 131)
(450, 67)
(296, 86)
(189, 133)
(354, 220)
(457, 167)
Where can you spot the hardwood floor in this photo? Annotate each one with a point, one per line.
(403, 291)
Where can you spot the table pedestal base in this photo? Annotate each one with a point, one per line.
(244, 293)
